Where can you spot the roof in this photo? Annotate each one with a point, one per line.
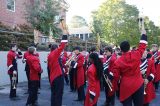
(81, 30)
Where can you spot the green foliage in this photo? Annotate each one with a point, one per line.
(42, 16)
(6, 38)
(78, 21)
(153, 32)
(116, 21)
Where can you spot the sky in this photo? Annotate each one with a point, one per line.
(84, 8)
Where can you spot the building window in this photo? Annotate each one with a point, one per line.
(11, 5)
(81, 36)
(44, 40)
(86, 36)
(77, 35)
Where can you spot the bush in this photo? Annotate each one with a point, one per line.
(23, 41)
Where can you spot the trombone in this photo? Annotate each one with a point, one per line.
(108, 82)
(69, 60)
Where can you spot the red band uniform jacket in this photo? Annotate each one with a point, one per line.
(12, 57)
(93, 89)
(54, 66)
(34, 66)
(156, 58)
(80, 70)
(128, 68)
(150, 75)
(64, 60)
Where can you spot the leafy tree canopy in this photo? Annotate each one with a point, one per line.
(77, 22)
(115, 21)
(43, 15)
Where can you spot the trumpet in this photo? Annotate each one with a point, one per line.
(108, 82)
(69, 60)
(14, 79)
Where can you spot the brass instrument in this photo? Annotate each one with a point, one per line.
(69, 60)
(108, 82)
(142, 28)
(145, 85)
(14, 79)
(144, 77)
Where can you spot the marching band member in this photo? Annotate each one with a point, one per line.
(92, 50)
(148, 70)
(116, 51)
(34, 68)
(48, 70)
(65, 68)
(108, 68)
(56, 75)
(72, 73)
(26, 68)
(37, 54)
(26, 54)
(78, 64)
(128, 68)
(94, 74)
(156, 58)
(12, 57)
(87, 63)
(117, 54)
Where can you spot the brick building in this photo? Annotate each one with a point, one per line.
(12, 12)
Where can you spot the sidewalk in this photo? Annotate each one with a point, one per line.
(44, 96)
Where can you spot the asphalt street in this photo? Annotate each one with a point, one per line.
(44, 96)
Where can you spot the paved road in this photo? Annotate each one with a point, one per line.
(44, 96)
